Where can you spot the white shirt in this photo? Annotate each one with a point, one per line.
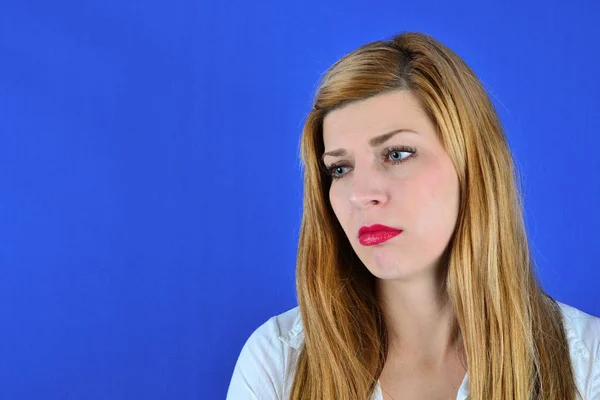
(266, 364)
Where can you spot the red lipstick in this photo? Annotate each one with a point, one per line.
(375, 234)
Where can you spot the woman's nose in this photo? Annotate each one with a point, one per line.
(367, 188)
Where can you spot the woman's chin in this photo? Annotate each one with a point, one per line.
(394, 270)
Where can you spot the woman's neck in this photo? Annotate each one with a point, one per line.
(421, 323)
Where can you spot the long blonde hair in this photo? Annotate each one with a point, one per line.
(513, 333)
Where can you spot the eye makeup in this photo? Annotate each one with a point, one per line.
(385, 153)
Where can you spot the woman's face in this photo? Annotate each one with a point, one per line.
(418, 195)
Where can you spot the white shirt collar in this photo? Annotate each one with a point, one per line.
(576, 326)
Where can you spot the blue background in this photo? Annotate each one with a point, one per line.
(150, 183)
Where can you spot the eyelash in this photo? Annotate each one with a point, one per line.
(384, 154)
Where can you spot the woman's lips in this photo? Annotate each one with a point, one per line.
(373, 238)
(376, 233)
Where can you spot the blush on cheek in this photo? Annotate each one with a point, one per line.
(434, 181)
(440, 201)
(426, 198)
(338, 199)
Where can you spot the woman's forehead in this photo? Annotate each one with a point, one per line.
(366, 119)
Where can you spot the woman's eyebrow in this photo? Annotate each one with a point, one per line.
(374, 142)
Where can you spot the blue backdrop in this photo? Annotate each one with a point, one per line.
(150, 184)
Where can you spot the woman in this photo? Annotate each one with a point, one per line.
(414, 275)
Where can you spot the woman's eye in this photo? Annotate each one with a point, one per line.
(396, 155)
(393, 155)
(333, 171)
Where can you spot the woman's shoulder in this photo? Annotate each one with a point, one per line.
(290, 328)
(583, 336)
(286, 327)
(581, 327)
(264, 368)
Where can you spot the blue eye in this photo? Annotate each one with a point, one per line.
(332, 171)
(396, 157)
(396, 152)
